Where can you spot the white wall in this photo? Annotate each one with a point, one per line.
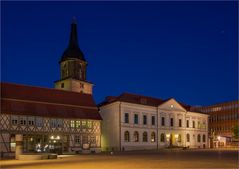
(110, 127)
(113, 129)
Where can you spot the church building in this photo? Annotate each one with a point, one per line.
(60, 120)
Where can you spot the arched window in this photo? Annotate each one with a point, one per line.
(188, 138)
(199, 138)
(162, 137)
(204, 138)
(126, 136)
(145, 137)
(136, 136)
(153, 137)
(179, 138)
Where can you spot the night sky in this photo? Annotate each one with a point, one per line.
(185, 50)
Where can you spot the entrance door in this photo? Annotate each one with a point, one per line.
(171, 140)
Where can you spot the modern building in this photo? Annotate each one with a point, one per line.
(222, 118)
(135, 122)
(64, 119)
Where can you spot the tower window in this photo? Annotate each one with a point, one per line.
(62, 85)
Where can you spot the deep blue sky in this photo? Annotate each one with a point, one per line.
(185, 50)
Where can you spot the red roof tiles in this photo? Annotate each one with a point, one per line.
(137, 99)
(37, 101)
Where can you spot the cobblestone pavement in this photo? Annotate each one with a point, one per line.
(174, 159)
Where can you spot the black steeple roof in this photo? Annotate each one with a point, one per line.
(73, 50)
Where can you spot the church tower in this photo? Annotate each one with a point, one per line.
(73, 67)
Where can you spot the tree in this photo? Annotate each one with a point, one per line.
(235, 131)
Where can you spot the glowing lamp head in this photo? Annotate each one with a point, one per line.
(218, 137)
(167, 135)
(176, 136)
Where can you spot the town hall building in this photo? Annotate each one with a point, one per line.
(136, 122)
(60, 120)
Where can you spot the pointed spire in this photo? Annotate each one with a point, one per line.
(73, 50)
(73, 36)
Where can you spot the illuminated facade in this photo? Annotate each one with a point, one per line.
(61, 120)
(223, 117)
(134, 122)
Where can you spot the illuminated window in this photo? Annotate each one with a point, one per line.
(83, 123)
(199, 124)
(89, 124)
(136, 136)
(203, 125)
(145, 137)
(179, 138)
(126, 136)
(162, 137)
(72, 124)
(153, 137)
(14, 120)
(77, 124)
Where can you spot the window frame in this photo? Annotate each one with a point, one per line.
(126, 118)
(126, 136)
(136, 119)
(145, 136)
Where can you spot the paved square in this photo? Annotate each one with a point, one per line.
(136, 160)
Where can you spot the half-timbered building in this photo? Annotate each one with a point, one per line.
(60, 120)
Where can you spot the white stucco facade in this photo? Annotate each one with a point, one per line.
(131, 126)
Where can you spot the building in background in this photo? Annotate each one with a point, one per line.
(65, 119)
(135, 122)
(222, 118)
